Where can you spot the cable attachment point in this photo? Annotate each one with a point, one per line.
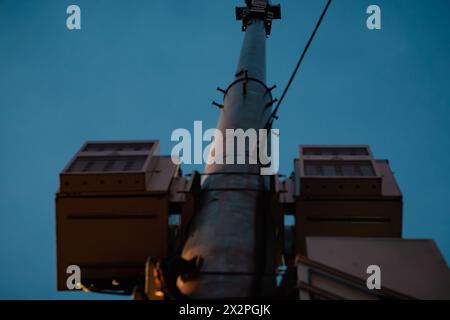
(222, 90)
(271, 88)
(218, 105)
(269, 104)
(240, 73)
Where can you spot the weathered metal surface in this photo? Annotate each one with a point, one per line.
(110, 238)
(319, 281)
(414, 267)
(228, 229)
(342, 197)
(111, 166)
(109, 222)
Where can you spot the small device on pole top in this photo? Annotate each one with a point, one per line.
(258, 9)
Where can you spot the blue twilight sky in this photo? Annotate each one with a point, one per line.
(140, 69)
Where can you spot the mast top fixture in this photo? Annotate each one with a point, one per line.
(258, 9)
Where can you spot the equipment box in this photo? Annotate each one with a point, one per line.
(112, 212)
(344, 191)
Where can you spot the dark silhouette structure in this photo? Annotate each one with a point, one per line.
(344, 191)
(134, 224)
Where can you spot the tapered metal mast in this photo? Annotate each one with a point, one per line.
(227, 231)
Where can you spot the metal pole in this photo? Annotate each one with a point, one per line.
(226, 231)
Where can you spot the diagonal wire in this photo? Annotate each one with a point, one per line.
(297, 67)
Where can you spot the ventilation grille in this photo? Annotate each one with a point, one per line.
(331, 151)
(339, 169)
(107, 164)
(117, 147)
